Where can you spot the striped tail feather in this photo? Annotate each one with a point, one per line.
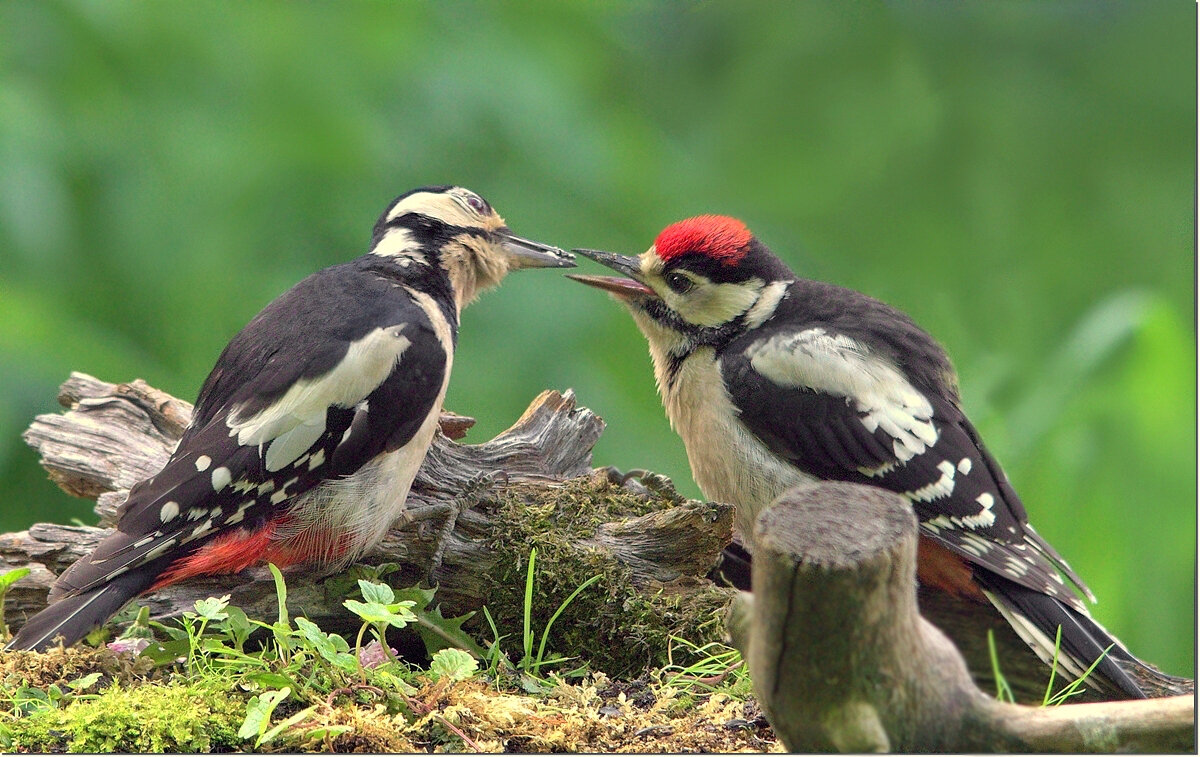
(73, 617)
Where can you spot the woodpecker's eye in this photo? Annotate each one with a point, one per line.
(679, 283)
(477, 204)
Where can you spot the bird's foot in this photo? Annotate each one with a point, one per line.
(473, 492)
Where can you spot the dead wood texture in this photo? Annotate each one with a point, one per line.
(111, 436)
(842, 661)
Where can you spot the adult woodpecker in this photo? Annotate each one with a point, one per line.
(773, 381)
(310, 429)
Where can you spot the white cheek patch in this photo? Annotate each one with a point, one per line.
(714, 304)
(839, 365)
(297, 419)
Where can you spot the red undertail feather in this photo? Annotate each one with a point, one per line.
(942, 569)
(237, 550)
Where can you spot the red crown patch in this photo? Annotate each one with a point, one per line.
(719, 237)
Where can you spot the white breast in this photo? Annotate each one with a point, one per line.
(343, 518)
(729, 463)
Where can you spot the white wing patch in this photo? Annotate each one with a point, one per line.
(842, 366)
(297, 419)
(943, 487)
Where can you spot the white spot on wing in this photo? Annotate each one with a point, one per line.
(169, 511)
(964, 466)
(200, 530)
(203, 462)
(221, 478)
(943, 487)
(316, 460)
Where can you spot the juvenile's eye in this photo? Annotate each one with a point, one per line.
(679, 283)
(477, 204)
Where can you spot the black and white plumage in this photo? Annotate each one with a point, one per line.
(773, 381)
(310, 429)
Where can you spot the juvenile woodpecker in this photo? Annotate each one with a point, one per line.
(772, 381)
(310, 429)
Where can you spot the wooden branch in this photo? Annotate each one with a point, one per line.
(842, 660)
(113, 435)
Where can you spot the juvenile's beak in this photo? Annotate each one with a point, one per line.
(630, 287)
(525, 253)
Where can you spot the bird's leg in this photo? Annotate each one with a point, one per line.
(642, 482)
(472, 494)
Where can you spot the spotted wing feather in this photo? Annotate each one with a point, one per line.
(212, 482)
(812, 405)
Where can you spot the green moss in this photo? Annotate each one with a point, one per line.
(198, 717)
(615, 626)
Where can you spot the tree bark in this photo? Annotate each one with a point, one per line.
(842, 661)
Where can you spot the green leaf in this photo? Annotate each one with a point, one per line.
(10, 577)
(439, 632)
(454, 664)
(166, 653)
(237, 625)
(212, 608)
(258, 713)
(269, 680)
(288, 723)
(84, 683)
(376, 592)
(397, 615)
(318, 734)
(333, 648)
(280, 595)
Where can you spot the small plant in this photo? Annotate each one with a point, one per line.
(1004, 692)
(1075, 687)
(380, 611)
(7, 579)
(532, 663)
(1051, 698)
(716, 665)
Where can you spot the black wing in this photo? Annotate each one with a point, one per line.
(257, 440)
(821, 400)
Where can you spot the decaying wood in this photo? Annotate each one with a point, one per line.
(842, 661)
(111, 436)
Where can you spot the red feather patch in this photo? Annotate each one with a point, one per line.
(236, 550)
(719, 237)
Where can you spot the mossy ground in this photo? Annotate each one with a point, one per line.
(621, 631)
(615, 626)
(139, 710)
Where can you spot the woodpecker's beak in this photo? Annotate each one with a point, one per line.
(622, 264)
(525, 253)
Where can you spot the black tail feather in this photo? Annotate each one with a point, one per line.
(1083, 639)
(72, 618)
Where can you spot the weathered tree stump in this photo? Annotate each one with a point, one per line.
(651, 545)
(842, 660)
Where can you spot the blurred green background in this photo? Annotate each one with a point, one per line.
(1019, 176)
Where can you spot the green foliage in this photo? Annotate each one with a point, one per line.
(452, 665)
(7, 579)
(586, 604)
(1008, 173)
(199, 716)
